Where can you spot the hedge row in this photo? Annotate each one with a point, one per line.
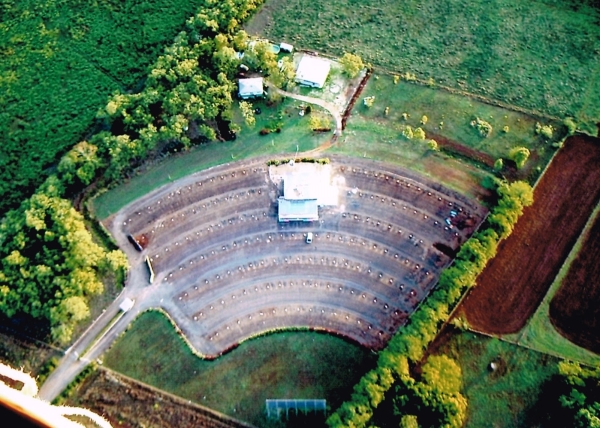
(409, 344)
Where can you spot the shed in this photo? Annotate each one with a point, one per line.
(250, 88)
(285, 47)
(312, 71)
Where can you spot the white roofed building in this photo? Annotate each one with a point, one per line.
(299, 200)
(286, 47)
(312, 71)
(250, 88)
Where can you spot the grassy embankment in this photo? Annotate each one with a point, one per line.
(294, 134)
(282, 365)
(540, 55)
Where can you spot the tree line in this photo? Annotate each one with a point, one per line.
(50, 265)
(433, 390)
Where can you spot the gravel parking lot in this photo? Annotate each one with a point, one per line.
(226, 269)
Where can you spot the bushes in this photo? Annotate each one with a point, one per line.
(484, 128)
(277, 162)
(408, 345)
(519, 155)
(545, 131)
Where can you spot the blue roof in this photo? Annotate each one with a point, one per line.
(298, 210)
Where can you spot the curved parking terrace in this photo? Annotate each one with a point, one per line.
(226, 269)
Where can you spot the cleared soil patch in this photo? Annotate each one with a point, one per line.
(575, 308)
(515, 281)
(126, 402)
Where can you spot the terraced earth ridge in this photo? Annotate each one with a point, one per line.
(226, 269)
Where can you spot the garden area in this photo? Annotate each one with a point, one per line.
(281, 365)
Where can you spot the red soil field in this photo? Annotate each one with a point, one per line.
(575, 308)
(516, 280)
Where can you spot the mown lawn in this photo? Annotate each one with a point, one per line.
(541, 55)
(450, 116)
(282, 365)
(502, 398)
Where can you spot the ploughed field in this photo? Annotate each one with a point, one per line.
(513, 284)
(575, 308)
(126, 402)
(228, 270)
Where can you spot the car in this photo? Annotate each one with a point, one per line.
(309, 238)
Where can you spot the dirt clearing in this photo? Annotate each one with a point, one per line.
(515, 281)
(575, 308)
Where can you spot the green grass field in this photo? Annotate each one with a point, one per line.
(540, 334)
(500, 398)
(282, 365)
(450, 115)
(59, 62)
(541, 55)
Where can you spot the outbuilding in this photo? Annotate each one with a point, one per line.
(312, 71)
(285, 47)
(250, 88)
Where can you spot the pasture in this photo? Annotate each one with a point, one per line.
(283, 365)
(447, 119)
(536, 55)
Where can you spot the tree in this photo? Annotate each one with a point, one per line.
(80, 162)
(248, 113)
(432, 145)
(419, 134)
(444, 373)
(519, 155)
(49, 262)
(351, 64)
(409, 421)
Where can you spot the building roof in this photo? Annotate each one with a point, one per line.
(312, 71)
(298, 210)
(300, 186)
(286, 47)
(251, 87)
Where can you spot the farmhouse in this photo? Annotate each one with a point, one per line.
(312, 71)
(299, 200)
(250, 88)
